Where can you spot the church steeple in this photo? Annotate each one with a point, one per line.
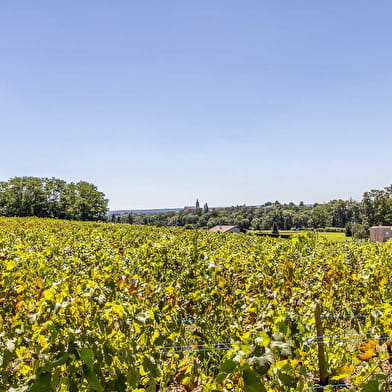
(197, 204)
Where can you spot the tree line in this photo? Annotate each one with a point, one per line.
(350, 216)
(52, 198)
(55, 198)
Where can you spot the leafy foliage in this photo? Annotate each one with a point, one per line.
(51, 198)
(334, 215)
(93, 307)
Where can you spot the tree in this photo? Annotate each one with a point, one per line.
(84, 202)
(348, 230)
(377, 207)
(288, 219)
(130, 218)
(360, 231)
(205, 208)
(23, 196)
(320, 216)
(55, 189)
(241, 222)
(53, 198)
(256, 223)
(275, 229)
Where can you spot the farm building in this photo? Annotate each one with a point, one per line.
(380, 233)
(226, 229)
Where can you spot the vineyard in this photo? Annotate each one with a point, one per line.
(105, 307)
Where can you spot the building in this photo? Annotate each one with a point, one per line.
(193, 208)
(226, 229)
(380, 233)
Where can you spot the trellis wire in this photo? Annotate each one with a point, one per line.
(334, 336)
(344, 316)
(327, 386)
(312, 316)
(351, 340)
(336, 386)
(229, 345)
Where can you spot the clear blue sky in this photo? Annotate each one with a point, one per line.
(233, 102)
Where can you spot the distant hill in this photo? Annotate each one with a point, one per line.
(153, 211)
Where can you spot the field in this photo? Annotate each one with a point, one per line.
(110, 307)
(334, 236)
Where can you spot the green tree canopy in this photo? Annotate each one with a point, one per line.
(377, 207)
(51, 198)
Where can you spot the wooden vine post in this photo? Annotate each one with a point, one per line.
(322, 361)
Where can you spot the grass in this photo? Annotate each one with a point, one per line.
(334, 236)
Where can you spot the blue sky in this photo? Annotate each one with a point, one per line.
(233, 102)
